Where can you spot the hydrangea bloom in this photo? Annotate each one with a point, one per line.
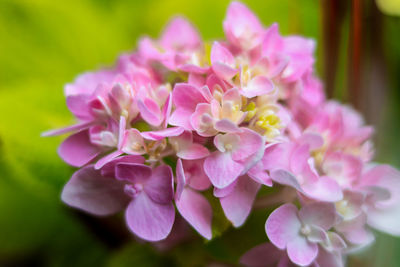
(171, 121)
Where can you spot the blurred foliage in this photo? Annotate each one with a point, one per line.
(45, 44)
(390, 7)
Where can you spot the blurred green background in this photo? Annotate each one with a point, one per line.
(45, 44)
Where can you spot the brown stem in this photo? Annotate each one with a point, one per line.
(333, 14)
(355, 53)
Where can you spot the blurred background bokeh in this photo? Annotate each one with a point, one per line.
(45, 44)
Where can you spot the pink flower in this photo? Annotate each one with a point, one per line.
(248, 113)
(290, 164)
(223, 62)
(242, 28)
(236, 154)
(192, 205)
(179, 48)
(147, 195)
(185, 97)
(299, 232)
(292, 55)
(237, 199)
(268, 255)
(382, 182)
(186, 148)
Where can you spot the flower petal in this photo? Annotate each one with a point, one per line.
(133, 172)
(109, 168)
(180, 34)
(195, 208)
(160, 186)
(257, 86)
(283, 225)
(318, 213)
(301, 251)
(88, 190)
(77, 127)
(324, 189)
(150, 111)
(194, 151)
(250, 143)
(226, 126)
(180, 179)
(238, 203)
(221, 169)
(262, 255)
(106, 159)
(149, 220)
(77, 150)
(161, 134)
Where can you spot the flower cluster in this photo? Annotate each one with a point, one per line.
(180, 116)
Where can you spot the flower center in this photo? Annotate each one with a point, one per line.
(305, 230)
(133, 190)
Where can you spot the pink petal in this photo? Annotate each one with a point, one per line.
(262, 255)
(222, 62)
(77, 150)
(109, 168)
(88, 190)
(299, 159)
(329, 259)
(250, 143)
(78, 105)
(161, 134)
(324, 189)
(167, 110)
(286, 178)
(277, 156)
(242, 28)
(302, 252)
(213, 82)
(180, 34)
(221, 169)
(133, 172)
(197, 178)
(223, 192)
(318, 213)
(186, 96)
(194, 151)
(259, 174)
(283, 226)
(77, 127)
(195, 208)
(259, 85)
(150, 111)
(226, 126)
(180, 179)
(224, 71)
(181, 117)
(221, 140)
(335, 242)
(221, 54)
(106, 159)
(121, 132)
(313, 140)
(317, 234)
(160, 186)
(149, 220)
(237, 205)
(356, 230)
(133, 142)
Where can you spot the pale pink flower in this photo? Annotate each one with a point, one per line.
(300, 232)
(236, 154)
